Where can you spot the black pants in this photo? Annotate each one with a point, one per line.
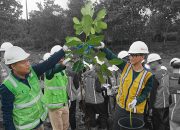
(92, 110)
(160, 118)
(72, 115)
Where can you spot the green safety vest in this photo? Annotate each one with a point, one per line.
(55, 93)
(28, 108)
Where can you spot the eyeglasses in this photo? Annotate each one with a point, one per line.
(135, 55)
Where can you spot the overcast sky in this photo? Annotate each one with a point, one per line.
(32, 5)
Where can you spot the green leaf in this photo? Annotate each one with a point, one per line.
(73, 41)
(97, 29)
(92, 30)
(78, 28)
(78, 66)
(102, 25)
(115, 61)
(87, 24)
(101, 56)
(76, 20)
(101, 14)
(88, 9)
(95, 40)
(81, 50)
(100, 77)
(104, 69)
(69, 39)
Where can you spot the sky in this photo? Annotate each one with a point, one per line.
(32, 5)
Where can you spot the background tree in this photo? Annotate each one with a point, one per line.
(10, 11)
(47, 25)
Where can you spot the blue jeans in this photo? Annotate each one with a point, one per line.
(121, 113)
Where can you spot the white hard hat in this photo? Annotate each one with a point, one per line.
(46, 56)
(163, 68)
(5, 46)
(98, 61)
(174, 59)
(138, 47)
(122, 54)
(55, 48)
(15, 54)
(153, 57)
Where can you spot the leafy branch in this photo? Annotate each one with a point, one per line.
(84, 49)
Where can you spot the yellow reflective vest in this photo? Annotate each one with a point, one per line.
(130, 89)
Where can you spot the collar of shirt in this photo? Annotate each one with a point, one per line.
(25, 81)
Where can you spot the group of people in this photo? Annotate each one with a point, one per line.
(143, 89)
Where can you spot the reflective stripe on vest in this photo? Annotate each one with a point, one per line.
(35, 123)
(127, 71)
(121, 83)
(28, 126)
(29, 104)
(12, 81)
(141, 82)
(55, 88)
(57, 105)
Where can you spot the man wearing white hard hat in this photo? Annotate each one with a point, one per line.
(55, 93)
(21, 93)
(135, 83)
(159, 96)
(174, 88)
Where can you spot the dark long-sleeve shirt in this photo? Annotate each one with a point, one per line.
(8, 97)
(145, 93)
(50, 73)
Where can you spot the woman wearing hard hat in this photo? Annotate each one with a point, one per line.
(174, 88)
(21, 93)
(135, 82)
(159, 96)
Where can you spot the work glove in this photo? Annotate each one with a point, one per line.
(132, 104)
(101, 46)
(107, 86)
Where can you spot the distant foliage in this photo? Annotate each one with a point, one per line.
(127, 21)
(10, 11)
